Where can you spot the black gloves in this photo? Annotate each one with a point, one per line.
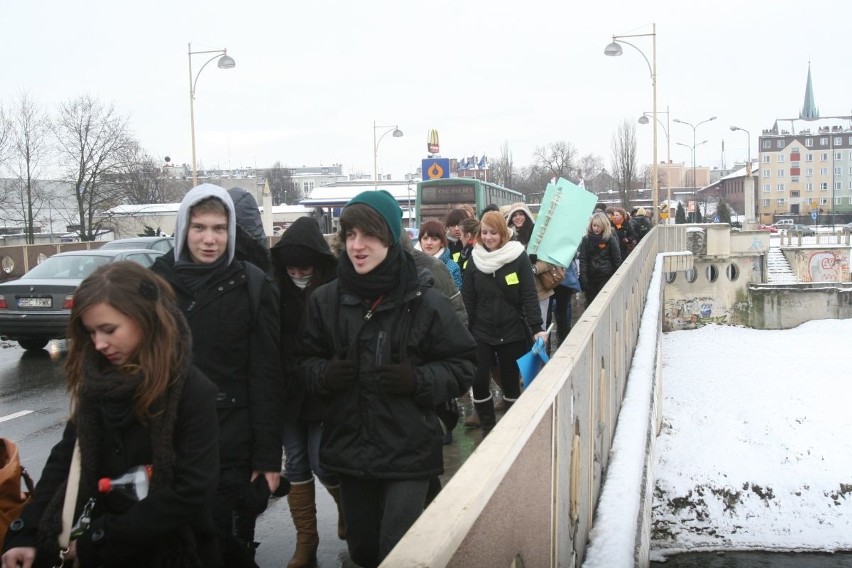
(397, 379)
(340, 374)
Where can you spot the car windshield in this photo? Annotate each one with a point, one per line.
(72, 266)
(122, 244)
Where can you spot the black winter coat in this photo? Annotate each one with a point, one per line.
(238, 351)
(598, 261)
(367, 433)
(130, 534)
(499, 304)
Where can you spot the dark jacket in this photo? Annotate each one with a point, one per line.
(502, 307)
(237, 350)
(130, 534)
(625, 236)
(598, 261)
(305, 232)
(366, 432)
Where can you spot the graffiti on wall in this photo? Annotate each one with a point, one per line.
(694, 313)
(825, 266)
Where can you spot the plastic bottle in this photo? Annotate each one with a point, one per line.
(134, 483)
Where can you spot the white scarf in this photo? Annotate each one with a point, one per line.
(490, 261)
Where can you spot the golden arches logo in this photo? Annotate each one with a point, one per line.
(435, 171)
(432, 145)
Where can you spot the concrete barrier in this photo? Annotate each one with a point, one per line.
(527, 495)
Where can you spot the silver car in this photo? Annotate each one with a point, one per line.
(36, 307)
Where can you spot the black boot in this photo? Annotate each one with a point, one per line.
(486, 415)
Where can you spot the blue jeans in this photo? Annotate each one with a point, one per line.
(301, 453)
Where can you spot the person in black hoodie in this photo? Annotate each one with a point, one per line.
(136, 400)
(232, 310)
(303, 262)
(383, 348)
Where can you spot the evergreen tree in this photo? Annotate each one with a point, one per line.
(723, 210)
(680, 215)
(698, 217)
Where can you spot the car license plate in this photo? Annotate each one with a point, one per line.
(35, 302)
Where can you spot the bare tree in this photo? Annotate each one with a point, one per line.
(624, 159)
(95, 145)
(589, 166)
(284, 190)
(503, 167)
(558, 158)
(29, 146)
(6, 134)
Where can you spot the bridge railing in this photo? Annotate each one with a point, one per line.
(528, 492)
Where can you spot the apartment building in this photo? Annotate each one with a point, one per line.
(805, 165)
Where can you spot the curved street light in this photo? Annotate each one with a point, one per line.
(225, 62)
(694, 145)
(748, 187)
(644, 120)
(397, 133)
(613, 49)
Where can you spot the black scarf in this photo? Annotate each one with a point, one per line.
(392, 277)
(197, 276)
(595, 241)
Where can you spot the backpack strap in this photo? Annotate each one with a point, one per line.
(255, 278)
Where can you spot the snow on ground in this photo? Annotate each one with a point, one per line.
(756, 445)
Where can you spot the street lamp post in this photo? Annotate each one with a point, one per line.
(644, 120)
(694, 193)
(750, 199)
(397, 133)
(694, 145)
(225, 62)
(614, 49)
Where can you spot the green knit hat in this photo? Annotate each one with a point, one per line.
(385, 205)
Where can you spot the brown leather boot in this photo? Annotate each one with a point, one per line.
(303, 509)
(341, 522)
(472, 421)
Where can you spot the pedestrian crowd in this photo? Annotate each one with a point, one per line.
(232, 372)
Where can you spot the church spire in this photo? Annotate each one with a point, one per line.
(809, 110)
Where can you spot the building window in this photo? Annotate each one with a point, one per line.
(779, 202)
(850, 185)
(767, 173)
(810, 201)
(780, 158)
(809, 142)
(766, 202)
(809, 187)
(823, 186)
(838, 185)
(766, 188)
(838, 200)
(780, 173)
(838, 171)
(838, 140)
(823, 141)
(780, 187)
(809, 157)
(767, 159)
(794, 149)
(823, 200)
(809, 172)
(767, 144)
(794, 194)
(823, 171)
(824, 156)
(779, 144)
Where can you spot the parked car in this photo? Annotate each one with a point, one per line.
(804, 230)
(847, 228)
(162, 244)
(783, 223)
(36, 307)
(769, 228)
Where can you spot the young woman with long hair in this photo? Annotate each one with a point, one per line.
(136, 400)
(502, 307)
(599, 255)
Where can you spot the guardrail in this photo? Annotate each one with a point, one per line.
(527, 495)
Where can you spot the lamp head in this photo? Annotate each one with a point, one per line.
(711, 118)
(226, 62)
(643, 119)
(679, 121)
(613, 49)
(397, 133)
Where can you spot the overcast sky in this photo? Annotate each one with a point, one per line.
(311, 77)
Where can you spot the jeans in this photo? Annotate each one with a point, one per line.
(301, 453)
(378, 513)
(507, 355)
(562, 310)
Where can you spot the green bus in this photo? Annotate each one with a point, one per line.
(435, 198)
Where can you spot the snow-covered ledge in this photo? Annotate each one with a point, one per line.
(621, 532)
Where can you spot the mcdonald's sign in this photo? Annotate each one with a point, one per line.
(432, 145)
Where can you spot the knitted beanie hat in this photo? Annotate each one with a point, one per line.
(385, 205)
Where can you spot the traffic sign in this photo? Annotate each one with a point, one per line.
(435, 168)
(814, 215)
